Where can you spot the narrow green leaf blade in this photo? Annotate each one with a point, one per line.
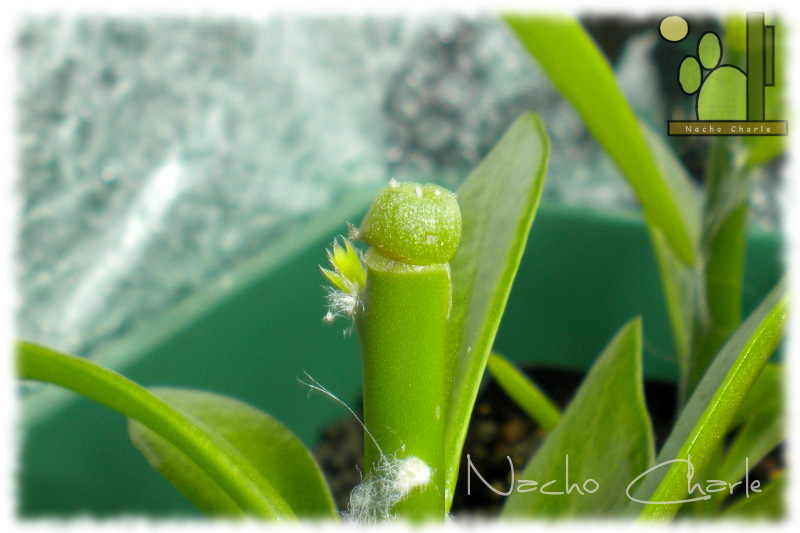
(498, 202)
(679, 286)
(763, 425)
(686, 194)
(768, 391)
(246, 486)
(524, 392)
(606, 434)
(723, 249)
(759, 422)
(583, 76)
(261, 440)
(708, 414)
(679, 282)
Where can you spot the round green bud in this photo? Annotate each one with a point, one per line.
(414, 223)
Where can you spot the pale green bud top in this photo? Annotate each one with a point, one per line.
(413, 223)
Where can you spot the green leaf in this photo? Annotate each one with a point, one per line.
(679, 286)
(583, 76)
(606, 434)
(679, 282)
(707, 416)
(723, 246)
(759, 422)
(688, 197)
(763, 425)
(524, 392)
(767, 504)
(239, 479)
(498, 202)
(759, 436)
(767, 393)
(265, 443)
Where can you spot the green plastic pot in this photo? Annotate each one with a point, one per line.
(257, 330)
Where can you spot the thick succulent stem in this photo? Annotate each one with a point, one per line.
(402, 337)
(413, 232)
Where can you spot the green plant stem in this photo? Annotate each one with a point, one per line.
(524, 392)
(239, 479)
(402, 330)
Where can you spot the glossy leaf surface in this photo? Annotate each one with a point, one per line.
(265, 443)
(498, 202)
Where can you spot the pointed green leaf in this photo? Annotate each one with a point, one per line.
(524, 392)
(498, 202)
(605, 434)
(265, 443)
(583, 76)
(707, 416)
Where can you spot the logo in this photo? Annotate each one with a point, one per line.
(729, 100)
(695, 490)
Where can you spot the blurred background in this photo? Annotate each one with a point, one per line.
(181, 177)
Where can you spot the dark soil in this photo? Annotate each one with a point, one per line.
(498, 429)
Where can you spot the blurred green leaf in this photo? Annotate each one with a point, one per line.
(757, 429)
(769, 504)
(265, 443)
(718, 312)
(524, 392)
(679, 281)
(583, 76)
(767, 393)
(237, 477)
(606, 433)
(498, 202)
(759, 436)
(707, 416)
(679, 286)
(761, 418)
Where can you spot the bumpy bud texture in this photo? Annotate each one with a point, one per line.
(413, 223)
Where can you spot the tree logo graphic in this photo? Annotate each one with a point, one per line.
(728, 100)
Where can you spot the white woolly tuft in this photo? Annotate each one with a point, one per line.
(342, 304)
(390, 482)
(353, 233)
(413, 473)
